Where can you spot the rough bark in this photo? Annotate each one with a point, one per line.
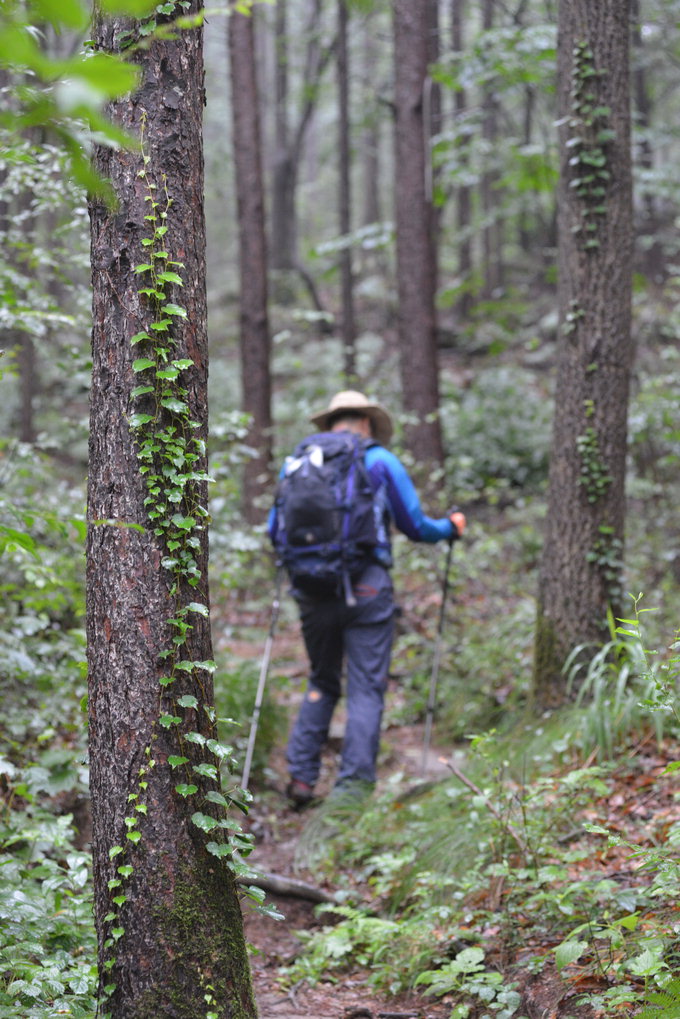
(580, 566)
(416, 260)
(255, 341)
(181, 922)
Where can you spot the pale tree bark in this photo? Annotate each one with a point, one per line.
(169, 924)
(463, 192)
(254, 336)
(290, 132)
(581, 561)
(416, 256)
(347, 323)
(492, 232)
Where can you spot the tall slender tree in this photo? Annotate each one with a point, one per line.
(580, 566)
(166, 909)
(255, 341)
(348, 327)
(463, 194)
(416, 256)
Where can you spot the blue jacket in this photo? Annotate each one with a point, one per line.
(396, 494)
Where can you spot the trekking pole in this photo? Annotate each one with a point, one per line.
(431, 701)
(264, 670)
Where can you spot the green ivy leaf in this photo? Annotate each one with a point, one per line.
(140, 390)
(167, 720)
(204, 821)
(171, 277)
(195, 737)
(207, 770)
(138, 420)
(174, 309)
(175, 761)
(218, 849)
(142, 363)
(126, 870)
(214, 797)
(175, 405)
(134, 836)
(187, 701)
(186, 790)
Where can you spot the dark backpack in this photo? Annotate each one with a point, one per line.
(326, 515)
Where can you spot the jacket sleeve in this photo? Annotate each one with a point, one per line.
(402, 499)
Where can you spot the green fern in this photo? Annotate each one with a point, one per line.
(664, 1004)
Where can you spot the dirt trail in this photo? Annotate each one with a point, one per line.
(277, 830)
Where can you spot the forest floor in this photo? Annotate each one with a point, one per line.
(278, 829)
(642, 797)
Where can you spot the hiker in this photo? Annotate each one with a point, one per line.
(354, 618)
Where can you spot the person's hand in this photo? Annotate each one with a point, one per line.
(459, 522)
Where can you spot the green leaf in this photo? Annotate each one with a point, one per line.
(186, 790)
(184, 523)
(62, 13)
(207, 770)
(174, 761)
(174, 309)
(187, 701)
(142, 363)
(568, 952)
(135, 8)
(166, 680)
(175, 405)
(204, 821)
(170, 277)
(114, 851)
(167, 720)
(140, 390)
(134, 836)
(218, 849)
(137, 420)
(195, 737)
(126, 870)
(198, 607)
(214, 797)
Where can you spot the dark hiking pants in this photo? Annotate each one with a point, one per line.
(361, 635)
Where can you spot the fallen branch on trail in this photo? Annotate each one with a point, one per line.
(280, 885)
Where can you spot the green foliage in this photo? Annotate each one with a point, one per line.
(501, 428)
(621, 688)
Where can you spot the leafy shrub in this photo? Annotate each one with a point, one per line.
(499, 429)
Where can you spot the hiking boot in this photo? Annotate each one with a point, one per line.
(299, 793)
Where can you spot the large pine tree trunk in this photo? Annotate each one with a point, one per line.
(255, 342)
(580, 566)
(416, 256)
(168, 923)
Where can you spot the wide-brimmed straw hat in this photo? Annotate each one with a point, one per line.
(351, 400)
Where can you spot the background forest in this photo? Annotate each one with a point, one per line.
(556, 851)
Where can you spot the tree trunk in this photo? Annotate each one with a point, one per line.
(255, 342)
(464, 194)
(348, 327)
(284, 177)
(166, 908)
(491, 234)
(416, 260)
(580, 566)
(370, 139)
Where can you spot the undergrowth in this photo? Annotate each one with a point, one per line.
(522, 861)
